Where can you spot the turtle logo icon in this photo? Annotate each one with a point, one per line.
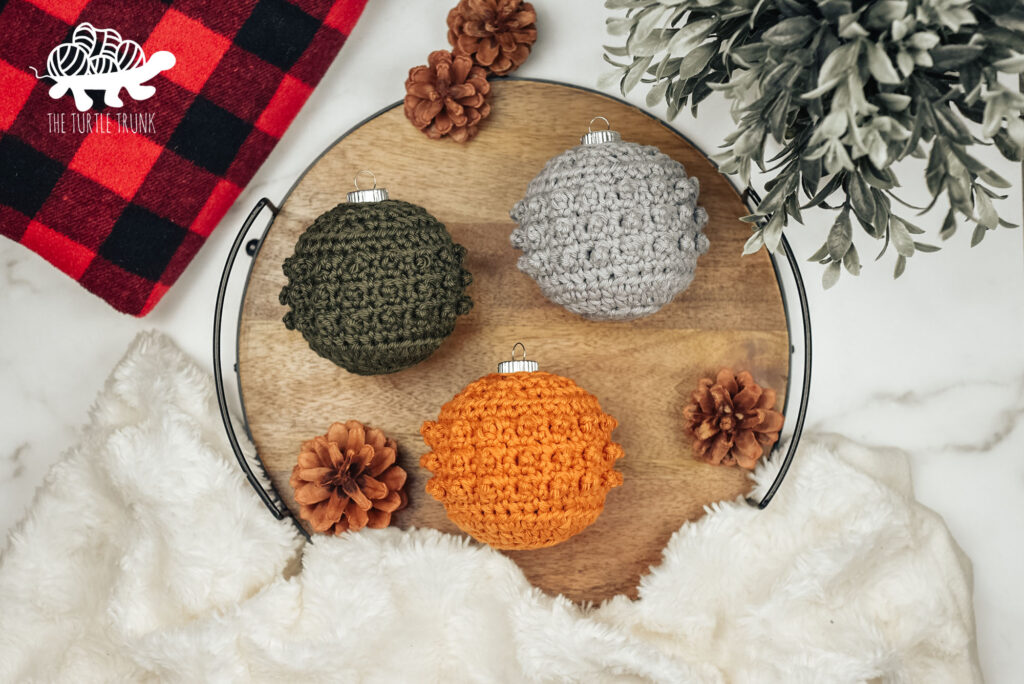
(99, 59)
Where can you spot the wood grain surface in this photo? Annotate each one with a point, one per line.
(642, 371)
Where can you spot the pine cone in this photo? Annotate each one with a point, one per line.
(347, 479)
(448, 96)
(732, 419)
(497, 34)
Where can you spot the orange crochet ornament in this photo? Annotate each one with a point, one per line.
(522, 459)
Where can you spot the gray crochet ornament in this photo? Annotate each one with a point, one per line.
(610, 230)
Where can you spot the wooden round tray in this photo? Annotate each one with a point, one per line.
(642, 372)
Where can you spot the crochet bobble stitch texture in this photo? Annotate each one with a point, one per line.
(611, 231)
(522, 460)
(375, 287)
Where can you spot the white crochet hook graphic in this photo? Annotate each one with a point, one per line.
(99, 59)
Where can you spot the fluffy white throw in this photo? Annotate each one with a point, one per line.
(146, 557)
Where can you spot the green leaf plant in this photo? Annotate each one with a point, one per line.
(844, 89)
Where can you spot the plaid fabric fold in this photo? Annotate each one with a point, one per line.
(121, 198)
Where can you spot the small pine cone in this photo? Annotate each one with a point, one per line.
(347, 479)
(732, 419)
(497, 34)
(448, 96)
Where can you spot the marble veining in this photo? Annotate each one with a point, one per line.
(11, 279)
(973, 426)
(11, 466)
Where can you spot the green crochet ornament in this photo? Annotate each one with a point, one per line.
(375, 285)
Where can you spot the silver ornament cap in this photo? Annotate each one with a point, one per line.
(603, 135)
(518, 364)
(373, 194)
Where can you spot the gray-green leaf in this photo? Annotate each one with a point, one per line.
(657, 92)
(952, 56)
(620, 26)
(840, 236)
(754, 243)
(948, 225)
(987, 215)
(822, 253)
(625, 4)
(773, 232)
(901, 265)
(695, 62)
(850, 28)
(833, 9)
(636, 72)
(1013, 65)
(901, 239)
(863, 201)
(894, 102)
(838, 63)
(790, 32)
(831, 275)
(852, 261)
(610, 79)
(880, 66)
(885, 12)
(689, 37)
(978, 235)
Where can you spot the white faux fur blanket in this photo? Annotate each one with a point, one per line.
(147, 557)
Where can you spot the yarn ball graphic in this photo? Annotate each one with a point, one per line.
(85, 35)
(522, 460)
(609, 229)
(102, 64)
(129, 55)
(376, 286)
(67, 59)
(94, 51)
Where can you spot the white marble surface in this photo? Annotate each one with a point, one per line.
(932, 364)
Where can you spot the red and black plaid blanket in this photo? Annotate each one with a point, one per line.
(121, 198)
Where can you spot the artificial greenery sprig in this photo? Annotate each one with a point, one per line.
(845, 89)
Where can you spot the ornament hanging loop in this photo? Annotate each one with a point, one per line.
(373, 177)
(602, 135)
(373, 194)
(518, 364)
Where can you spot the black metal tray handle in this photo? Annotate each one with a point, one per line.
(752, 199)
(279, 511)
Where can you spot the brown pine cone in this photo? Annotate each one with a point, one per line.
(732, 419)
(347, 479)
(448, 96)
(497, 34)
